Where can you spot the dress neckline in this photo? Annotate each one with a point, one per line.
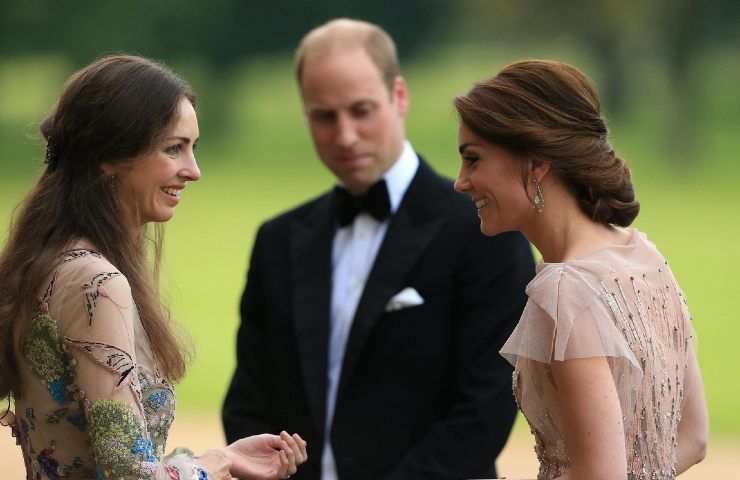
(631, 242)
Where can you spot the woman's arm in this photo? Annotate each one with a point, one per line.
(693, 429)
(99, 335)
(101, 342)
(592, 419)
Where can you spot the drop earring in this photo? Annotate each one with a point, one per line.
(538, 202)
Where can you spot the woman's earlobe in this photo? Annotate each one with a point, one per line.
(107, 169)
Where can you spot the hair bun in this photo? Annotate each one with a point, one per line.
(612, 201)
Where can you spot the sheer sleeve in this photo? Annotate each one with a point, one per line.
(571, 314)
(97, 326)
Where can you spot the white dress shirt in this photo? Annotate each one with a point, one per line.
(353, 255)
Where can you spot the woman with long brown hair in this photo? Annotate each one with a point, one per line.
(87, 350)
(605, 370)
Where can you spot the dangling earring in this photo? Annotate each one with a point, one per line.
(538, 202)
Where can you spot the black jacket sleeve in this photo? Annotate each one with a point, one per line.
(246, 409)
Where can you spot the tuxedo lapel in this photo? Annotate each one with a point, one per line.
(311, 244)
(404, 243)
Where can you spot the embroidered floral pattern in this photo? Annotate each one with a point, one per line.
(24, 427)
(112, 358)
(155, 401)
(104, 436)
(159, 408)
(98, 437)
(45, 462)
(116, 435)
(47, 357)
(43, 306)
(79, 253)
(94, 289)
(31, 417)
(78, 420)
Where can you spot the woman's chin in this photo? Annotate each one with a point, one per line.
(488, 230)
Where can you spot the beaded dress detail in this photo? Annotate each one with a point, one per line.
(93, 403)
(623, 303)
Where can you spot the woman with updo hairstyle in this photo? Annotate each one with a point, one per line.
(605, 367)
(88, 353)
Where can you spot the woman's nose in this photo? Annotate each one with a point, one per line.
(462, 184)
(191, 171)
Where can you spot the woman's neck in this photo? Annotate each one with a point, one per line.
(572, 237)
(563, 232)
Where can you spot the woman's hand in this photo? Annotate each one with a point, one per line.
(266, 457)
(216, 464)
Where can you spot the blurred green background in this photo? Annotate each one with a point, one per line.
(668, 73)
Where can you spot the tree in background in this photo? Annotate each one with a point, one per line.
(619, 35)
(220, 32)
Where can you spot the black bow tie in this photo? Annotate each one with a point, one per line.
(375, 202)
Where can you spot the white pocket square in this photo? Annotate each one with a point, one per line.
(408, 297)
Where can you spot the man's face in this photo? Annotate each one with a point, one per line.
(356, 123)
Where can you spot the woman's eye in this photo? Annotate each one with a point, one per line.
(173, 150)
(470, 158)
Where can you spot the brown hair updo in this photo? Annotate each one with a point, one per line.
(549, 111)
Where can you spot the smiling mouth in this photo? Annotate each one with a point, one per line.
(481, 203)
(175, 192)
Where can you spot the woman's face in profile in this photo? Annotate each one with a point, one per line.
(493, 178)
(151, 187)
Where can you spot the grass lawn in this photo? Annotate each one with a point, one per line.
(257, 160)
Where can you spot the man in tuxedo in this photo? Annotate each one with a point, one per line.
(373, 314)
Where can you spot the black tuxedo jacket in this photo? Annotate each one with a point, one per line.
(423, 392)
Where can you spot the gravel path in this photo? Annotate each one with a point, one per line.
(200, 432)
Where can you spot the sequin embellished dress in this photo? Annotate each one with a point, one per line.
(93, 404)
(622, 303)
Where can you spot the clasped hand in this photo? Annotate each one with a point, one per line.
(259, 457)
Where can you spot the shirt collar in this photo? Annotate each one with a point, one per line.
(399, 176)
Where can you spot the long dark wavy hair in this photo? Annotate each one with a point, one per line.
(544, 110)
(109, 112)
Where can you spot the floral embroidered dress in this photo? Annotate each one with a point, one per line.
(93, 403)
(623, 303)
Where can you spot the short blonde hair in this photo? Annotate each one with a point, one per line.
(344, 34)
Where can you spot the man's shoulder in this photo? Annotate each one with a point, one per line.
(299, 213)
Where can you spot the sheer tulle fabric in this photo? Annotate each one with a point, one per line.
(94, 404)
(621, 303)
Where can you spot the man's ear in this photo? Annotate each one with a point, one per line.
(401, 95)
